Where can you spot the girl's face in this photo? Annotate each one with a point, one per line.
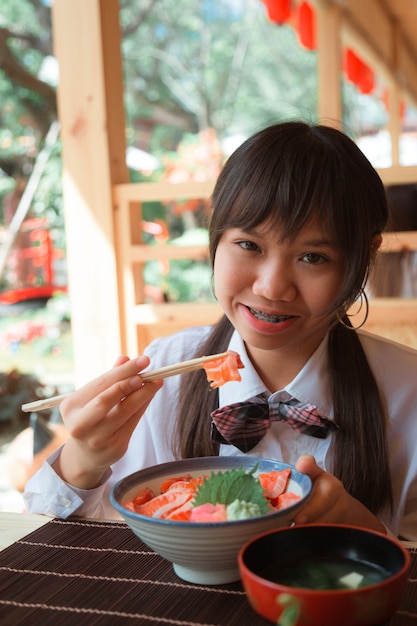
(277, 294)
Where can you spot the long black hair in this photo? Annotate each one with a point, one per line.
(287, 173)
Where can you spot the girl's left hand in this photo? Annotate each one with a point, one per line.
(330, 502)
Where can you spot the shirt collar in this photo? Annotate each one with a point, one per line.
(311, 384)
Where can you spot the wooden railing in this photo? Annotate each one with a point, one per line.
(142, 322)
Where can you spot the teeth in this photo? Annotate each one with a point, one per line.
(260, 315)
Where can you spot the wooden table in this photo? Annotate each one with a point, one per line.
(88, 572)
(14, 526)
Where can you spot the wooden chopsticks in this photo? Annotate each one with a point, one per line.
(162, 372)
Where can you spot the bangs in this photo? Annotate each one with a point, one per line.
(284, 192)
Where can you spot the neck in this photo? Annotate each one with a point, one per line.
(277, 368)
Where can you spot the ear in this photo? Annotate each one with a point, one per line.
(376, 243)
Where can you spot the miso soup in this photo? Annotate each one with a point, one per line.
(325, 574)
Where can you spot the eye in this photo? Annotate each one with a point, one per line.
(248, 245)
(313, 258)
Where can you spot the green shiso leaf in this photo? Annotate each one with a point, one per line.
(226, 487)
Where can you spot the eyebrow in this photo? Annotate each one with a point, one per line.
(319, 241)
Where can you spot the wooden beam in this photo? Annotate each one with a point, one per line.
(167, 252)
(392, 311)
(147, 192)
(91, 112)
(395, 242)
(373, 33)
(398, 174)
(329, 58)
(367, 27)
(159, 320)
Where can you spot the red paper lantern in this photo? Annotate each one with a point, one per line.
(358, 73)
(278, 11)
(351, 66)
(366, 81)
(306, 26)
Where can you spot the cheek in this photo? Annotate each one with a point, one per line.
(228, 277)
(336, 285)
(323, 296)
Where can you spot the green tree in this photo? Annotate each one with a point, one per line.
(187, 66)
(28, 99)
(190, 66)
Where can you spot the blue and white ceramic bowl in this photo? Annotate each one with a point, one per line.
(204, 552)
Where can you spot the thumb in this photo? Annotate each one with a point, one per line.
(306, 464)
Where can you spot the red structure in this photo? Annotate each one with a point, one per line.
(30, 271)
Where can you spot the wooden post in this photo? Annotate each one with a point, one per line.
(395, 122)
(329, 55)
(91, 112)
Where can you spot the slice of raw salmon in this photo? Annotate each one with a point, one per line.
(222, 370)
(274, 483)
(162, 505)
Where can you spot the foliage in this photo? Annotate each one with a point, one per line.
(37, 339)
(185, 281)
(28, 100)
(218, 65)
(34, 346)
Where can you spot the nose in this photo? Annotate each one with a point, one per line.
(274, 282)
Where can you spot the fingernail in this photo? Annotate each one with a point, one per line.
(136, 382)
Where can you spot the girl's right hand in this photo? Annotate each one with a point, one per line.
(100, 419)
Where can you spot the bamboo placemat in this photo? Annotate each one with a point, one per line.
(86, 572)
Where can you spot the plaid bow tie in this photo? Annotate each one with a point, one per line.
(245, 423)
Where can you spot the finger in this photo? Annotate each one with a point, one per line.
(306, 464)
(123, 371)
(122, 389)
(120, 360)
(89, 408)
(106, 413)
(123, 433)
(324, 504)
(120, 421)
(132, 392)
(311, 514)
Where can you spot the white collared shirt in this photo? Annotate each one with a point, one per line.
(394, 365)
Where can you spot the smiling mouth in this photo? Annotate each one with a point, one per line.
(266, 317)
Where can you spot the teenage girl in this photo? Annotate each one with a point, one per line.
(298, 216)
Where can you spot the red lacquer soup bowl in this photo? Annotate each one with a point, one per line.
(324, 575)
